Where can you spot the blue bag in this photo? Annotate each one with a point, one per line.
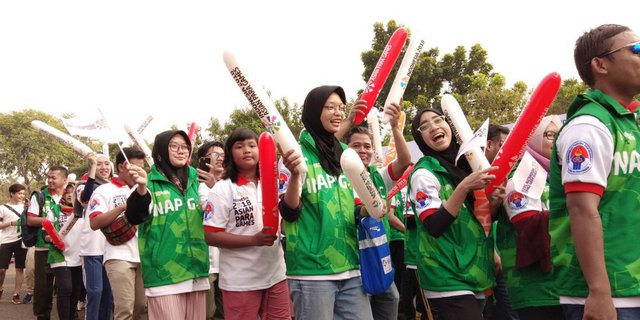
(375, 257)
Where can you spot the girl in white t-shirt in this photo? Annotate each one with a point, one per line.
(252, 268)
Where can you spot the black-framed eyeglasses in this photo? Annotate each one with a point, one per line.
(174, 147)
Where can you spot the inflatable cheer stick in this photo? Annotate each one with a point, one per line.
(266, 110)
(381, 71)
(269, 181)
(392, 153)
(463, 132)
(401, 80)
(373, 123)
(193, 131)
(402, 182)
(359, 177)
(525, 126)
(137, 139)
(55, 237)
(82, 149)
(475, 156)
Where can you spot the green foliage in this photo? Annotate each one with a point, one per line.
(568, 91)
(245, 117)
(28, 153)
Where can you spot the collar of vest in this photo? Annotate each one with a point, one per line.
(242, 181)
(117, 183)
(156, 176)
(599, 97)
(430, 163)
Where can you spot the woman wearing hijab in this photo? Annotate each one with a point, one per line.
(322, 248)
(174, 255)
(522, 235)
(455, 258)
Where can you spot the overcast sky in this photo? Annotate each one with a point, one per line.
(164, 58)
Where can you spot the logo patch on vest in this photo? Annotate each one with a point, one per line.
(208, 210)
(422, 199)
(94, 203)
(283, 180)
(578, 158)
(516, 200)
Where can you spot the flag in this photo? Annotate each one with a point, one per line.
(479, 140)
(94, 128)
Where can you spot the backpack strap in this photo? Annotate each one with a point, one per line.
(14, 210)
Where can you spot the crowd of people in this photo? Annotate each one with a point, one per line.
(180, 242)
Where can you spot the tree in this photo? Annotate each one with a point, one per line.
(28, 153)
(466, 74)
(568, 91)
(245, 117)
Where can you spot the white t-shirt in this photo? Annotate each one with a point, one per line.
(34, 211)
(585, 147)
(92, 241)
(214, 252)
(71, 243)
(106, 198)
(10, 234)
(237, 209)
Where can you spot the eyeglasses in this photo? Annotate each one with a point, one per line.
(333, 108)
(433, 122)
(174, 147)
(635, 49)
(216, 155)
(550, 135)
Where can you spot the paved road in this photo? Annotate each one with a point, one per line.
(9, 311)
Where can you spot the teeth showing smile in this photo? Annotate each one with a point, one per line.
(438, 137)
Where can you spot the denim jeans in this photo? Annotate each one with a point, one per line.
(330, 299)
(384, 306)
(575, 311)
(99, 299)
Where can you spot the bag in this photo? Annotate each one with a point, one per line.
(119, 231)
(30, 234)
(376, 268)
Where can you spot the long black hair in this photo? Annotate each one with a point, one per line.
(329, 148)
(230, 168)
(160, 154)
(447, 157)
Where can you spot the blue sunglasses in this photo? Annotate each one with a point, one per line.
(635, 48)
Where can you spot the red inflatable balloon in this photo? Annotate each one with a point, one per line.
(269, 181)
(55, 237)
(402, 182)
(527, 122)
(381, 72)
(193, 131)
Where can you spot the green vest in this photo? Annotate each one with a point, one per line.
(528, 287)
(397, 235)
(55, 255)
(619, 206)
(462, 257)
(377, 180)
(323, 240)
(171, 241)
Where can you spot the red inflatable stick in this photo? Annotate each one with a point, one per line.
(193, 131)
(51, 231)
(527, 122)
(269, 181)
(402, 182)
(381, 71)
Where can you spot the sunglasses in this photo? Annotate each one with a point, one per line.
(635, 49)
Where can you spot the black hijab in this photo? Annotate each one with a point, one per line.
(160, 155)
(446, 158)
(329, 148)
